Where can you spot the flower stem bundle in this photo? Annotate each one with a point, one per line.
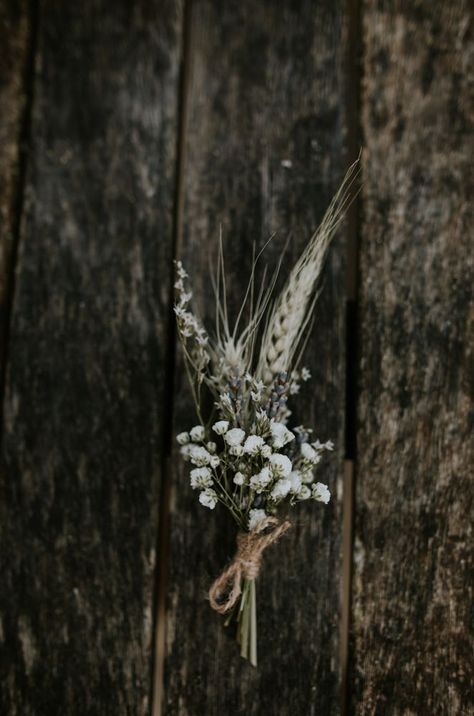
(246, 455)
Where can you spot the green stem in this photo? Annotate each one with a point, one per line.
(253, 623)
(247, 622)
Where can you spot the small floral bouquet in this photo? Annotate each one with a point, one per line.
(244, 455)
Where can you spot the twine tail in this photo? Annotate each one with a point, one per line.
(231, 577)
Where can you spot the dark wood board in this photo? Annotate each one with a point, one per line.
(83, 408)
(412, 631)
(264, 152)
(15, 47)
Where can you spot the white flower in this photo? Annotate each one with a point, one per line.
(221, 427)
(259, 482)
(208, 498)
(182, 438)
(280, 434)
(180, 270)
(281, 489)
(180, 312)
(281, 464)
(265, 451)
(305, 374)
(234, 437)
(255, 518)
(256, 384)
(236, 450)
(253, 444)
(307, 476)
(185, 451)
(295, 479)
(197, 433)
(201, 478)
(256, 397)
(294, 388)
(239, 478)
(304, 493)
(211, 447)
(329, 445)
(214, 461)
(309, 453)
(199, 455)
(320, 492)
(225, 401)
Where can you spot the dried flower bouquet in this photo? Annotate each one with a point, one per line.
(245, 456)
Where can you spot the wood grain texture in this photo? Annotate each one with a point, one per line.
(83, 407)
(15, 42)
(413, 559)
(264, 153)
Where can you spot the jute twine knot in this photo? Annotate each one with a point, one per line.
(227, 588)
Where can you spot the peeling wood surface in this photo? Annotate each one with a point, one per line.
(83, 409)
(264, 151)
(412, 641)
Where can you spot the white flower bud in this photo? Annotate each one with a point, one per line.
(295, 479)
(221, 427)
(281, 464)
(281, 489)
(304, 493)
(200, 478)
(309, 453)
(280, 434)
(239, 478)
(253, 444)
(234, 437)
(208, 498)
(255, 518)
(199, 456)
(305, 374)
(197, 433)
(320, 492)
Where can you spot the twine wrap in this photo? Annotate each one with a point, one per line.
(227, 588)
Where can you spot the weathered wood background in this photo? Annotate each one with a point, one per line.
(129, 132)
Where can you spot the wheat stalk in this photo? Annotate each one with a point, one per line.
(232, 351)
(294, 308)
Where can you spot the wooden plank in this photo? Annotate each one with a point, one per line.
(413, 588)
(264, 153)
(15, 47)
(83, 408)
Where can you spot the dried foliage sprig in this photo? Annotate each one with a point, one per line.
(244, 456)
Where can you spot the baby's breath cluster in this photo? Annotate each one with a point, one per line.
(249, 459)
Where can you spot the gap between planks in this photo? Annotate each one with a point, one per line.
(163, 546)
(24, 143)
(353, 128)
